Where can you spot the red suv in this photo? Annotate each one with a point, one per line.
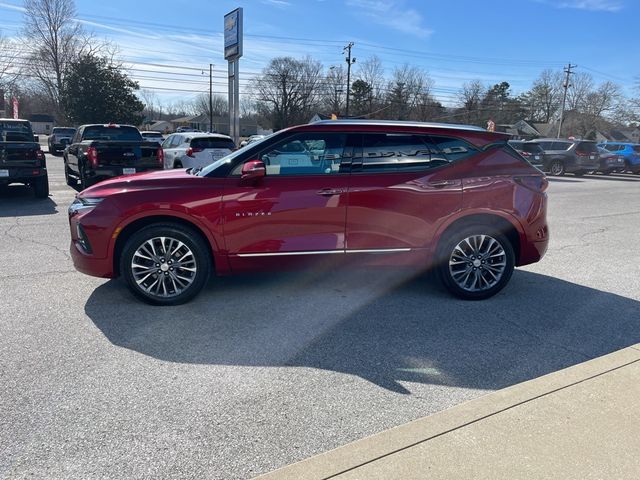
(456, 198)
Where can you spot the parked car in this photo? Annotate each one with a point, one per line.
(21, 159)
(187, 130)
(453, 198)
(98, 152)
(532, 152)
(150, 136)
(59, 139)
(195, 150)
(251, 139)
(610, 162)
(569, 156)
(630, 152)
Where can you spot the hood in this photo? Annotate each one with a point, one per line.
(157, 179)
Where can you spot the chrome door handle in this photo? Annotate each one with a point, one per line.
(443, 183)
(330, 191)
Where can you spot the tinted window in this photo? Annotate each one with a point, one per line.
(15, 132)
(305, 154)
(120, 134)
(531, 148)
(561, 146)
(152, 135)
(588, 147)
(636, 148)
(545, 145)
(213, 142)
(392, 153)
(451, 149)
(64, 131)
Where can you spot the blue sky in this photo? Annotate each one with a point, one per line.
(455, 41)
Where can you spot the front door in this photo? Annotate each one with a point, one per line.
(297, 212)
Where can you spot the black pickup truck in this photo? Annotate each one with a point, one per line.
(21, 159)
(97, 152)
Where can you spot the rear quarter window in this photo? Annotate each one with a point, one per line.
(451, 149)
(588, 147)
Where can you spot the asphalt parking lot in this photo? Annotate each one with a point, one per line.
(262, 371)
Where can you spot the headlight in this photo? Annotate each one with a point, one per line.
(82, 204)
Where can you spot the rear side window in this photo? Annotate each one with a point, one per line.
(393, 153)
(212, 142)
(546, 145)
(587, 147)
(15, 132)
(636, 148)
(451, 149)
(64, 131)
(119, 134)
(561, 146)
(531, 148)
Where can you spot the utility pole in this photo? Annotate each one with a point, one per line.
(566, 86)
(211, 98)
(350, 61)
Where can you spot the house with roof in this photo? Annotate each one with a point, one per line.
(41, 123)
(248, 126)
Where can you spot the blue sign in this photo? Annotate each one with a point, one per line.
(233, 34)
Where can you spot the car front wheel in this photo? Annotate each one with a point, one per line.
(165, 264)
(476, 263)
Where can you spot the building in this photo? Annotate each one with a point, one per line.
(220, 124)
(41, 123)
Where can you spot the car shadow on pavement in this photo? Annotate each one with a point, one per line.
(18, 201)
(388, 328)
(564, 180)
(615, 178)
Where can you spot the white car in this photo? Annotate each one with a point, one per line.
(151, 136)
(251, 139)
(195, 150)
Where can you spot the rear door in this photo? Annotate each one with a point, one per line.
(400, 191)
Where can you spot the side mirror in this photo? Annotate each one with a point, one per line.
(253, 170)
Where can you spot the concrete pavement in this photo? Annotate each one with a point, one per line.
(577, 423)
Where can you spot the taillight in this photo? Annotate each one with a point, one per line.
(537, 183)
(40, 155)
(580, 153)
(92, 155)
(525, 154)
(160, 154)
(191, 151)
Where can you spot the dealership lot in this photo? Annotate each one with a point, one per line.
(262, 371)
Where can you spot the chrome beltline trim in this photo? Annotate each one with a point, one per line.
(323, 252)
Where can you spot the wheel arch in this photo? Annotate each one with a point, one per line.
(132, 227)
(495, 221)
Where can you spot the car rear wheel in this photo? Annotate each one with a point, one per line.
(165, 264)
(556, 168)
(41, 187)
(476, 262)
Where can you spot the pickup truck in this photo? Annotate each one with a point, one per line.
(60, 137)
(98, 152)
(21, 159)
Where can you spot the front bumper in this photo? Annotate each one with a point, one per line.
(89, 264)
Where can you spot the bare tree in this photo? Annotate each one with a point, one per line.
(152, 107)
(54, 39)
(469, 99)
(219, 105)
(545, 96)
(406, 91)
(9, 67)
(288, 90)
(371, 72)
(334, 89)
(580, 85)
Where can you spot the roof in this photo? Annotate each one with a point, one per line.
(41, 117)
(450, 126)
(204, 134)
(14, 119)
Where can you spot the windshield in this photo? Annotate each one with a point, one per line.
(212, 142)
(15, 131)
(229, 158)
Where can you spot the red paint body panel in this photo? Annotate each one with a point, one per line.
(341, 213)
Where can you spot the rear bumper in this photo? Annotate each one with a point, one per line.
(118, 171)
(21, 174)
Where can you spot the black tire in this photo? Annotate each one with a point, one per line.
(84, 181)
(446, 253)
(41, 186)
(71, 181)
(607, 172)
(177, 164)
(556, 168)
(192, 241)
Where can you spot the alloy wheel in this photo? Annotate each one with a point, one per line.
(477, 263)
(163, 267)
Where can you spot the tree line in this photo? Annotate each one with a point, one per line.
(57, 65)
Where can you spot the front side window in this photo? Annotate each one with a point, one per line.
(167, 142)
(305, 154)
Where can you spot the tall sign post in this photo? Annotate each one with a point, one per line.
(232, 53)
